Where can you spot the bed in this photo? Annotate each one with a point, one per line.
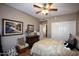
(51, 47)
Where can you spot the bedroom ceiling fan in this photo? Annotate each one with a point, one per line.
(45, 8)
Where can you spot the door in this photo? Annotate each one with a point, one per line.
(43, 31)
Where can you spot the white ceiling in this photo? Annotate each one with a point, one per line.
(63, 8)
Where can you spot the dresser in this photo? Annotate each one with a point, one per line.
(0, 45)
(31, 40)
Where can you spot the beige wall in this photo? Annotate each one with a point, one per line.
(69, 17)
(14, 14)
(77, 23)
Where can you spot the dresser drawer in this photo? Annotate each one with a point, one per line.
(31, 40)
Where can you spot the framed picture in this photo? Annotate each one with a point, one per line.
(30, 28)
(11, 27)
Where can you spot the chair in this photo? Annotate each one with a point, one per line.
(21, 46)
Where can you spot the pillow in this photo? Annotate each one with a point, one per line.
(71, 43)
(72, 46)
(71, 39)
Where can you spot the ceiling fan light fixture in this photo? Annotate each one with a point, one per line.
(45, 9)
(45, 12)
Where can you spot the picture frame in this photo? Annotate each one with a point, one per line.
(30, 28)
(11, 27)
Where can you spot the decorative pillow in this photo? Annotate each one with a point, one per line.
(71, 43)
(71, 39)
(72, 46)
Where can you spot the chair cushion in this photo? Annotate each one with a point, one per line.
(23, 46)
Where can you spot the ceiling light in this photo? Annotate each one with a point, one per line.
(44, 12)
(45, 8)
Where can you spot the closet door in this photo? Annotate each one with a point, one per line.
(61, 30)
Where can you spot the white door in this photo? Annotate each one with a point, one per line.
(42, 31)
(61, 30)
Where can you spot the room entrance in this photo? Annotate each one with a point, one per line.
(43, 31)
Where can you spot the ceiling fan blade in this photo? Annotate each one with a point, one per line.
(38, 12)
(53, 9)
(36, 6)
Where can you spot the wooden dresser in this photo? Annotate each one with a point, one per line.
(31, 40)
